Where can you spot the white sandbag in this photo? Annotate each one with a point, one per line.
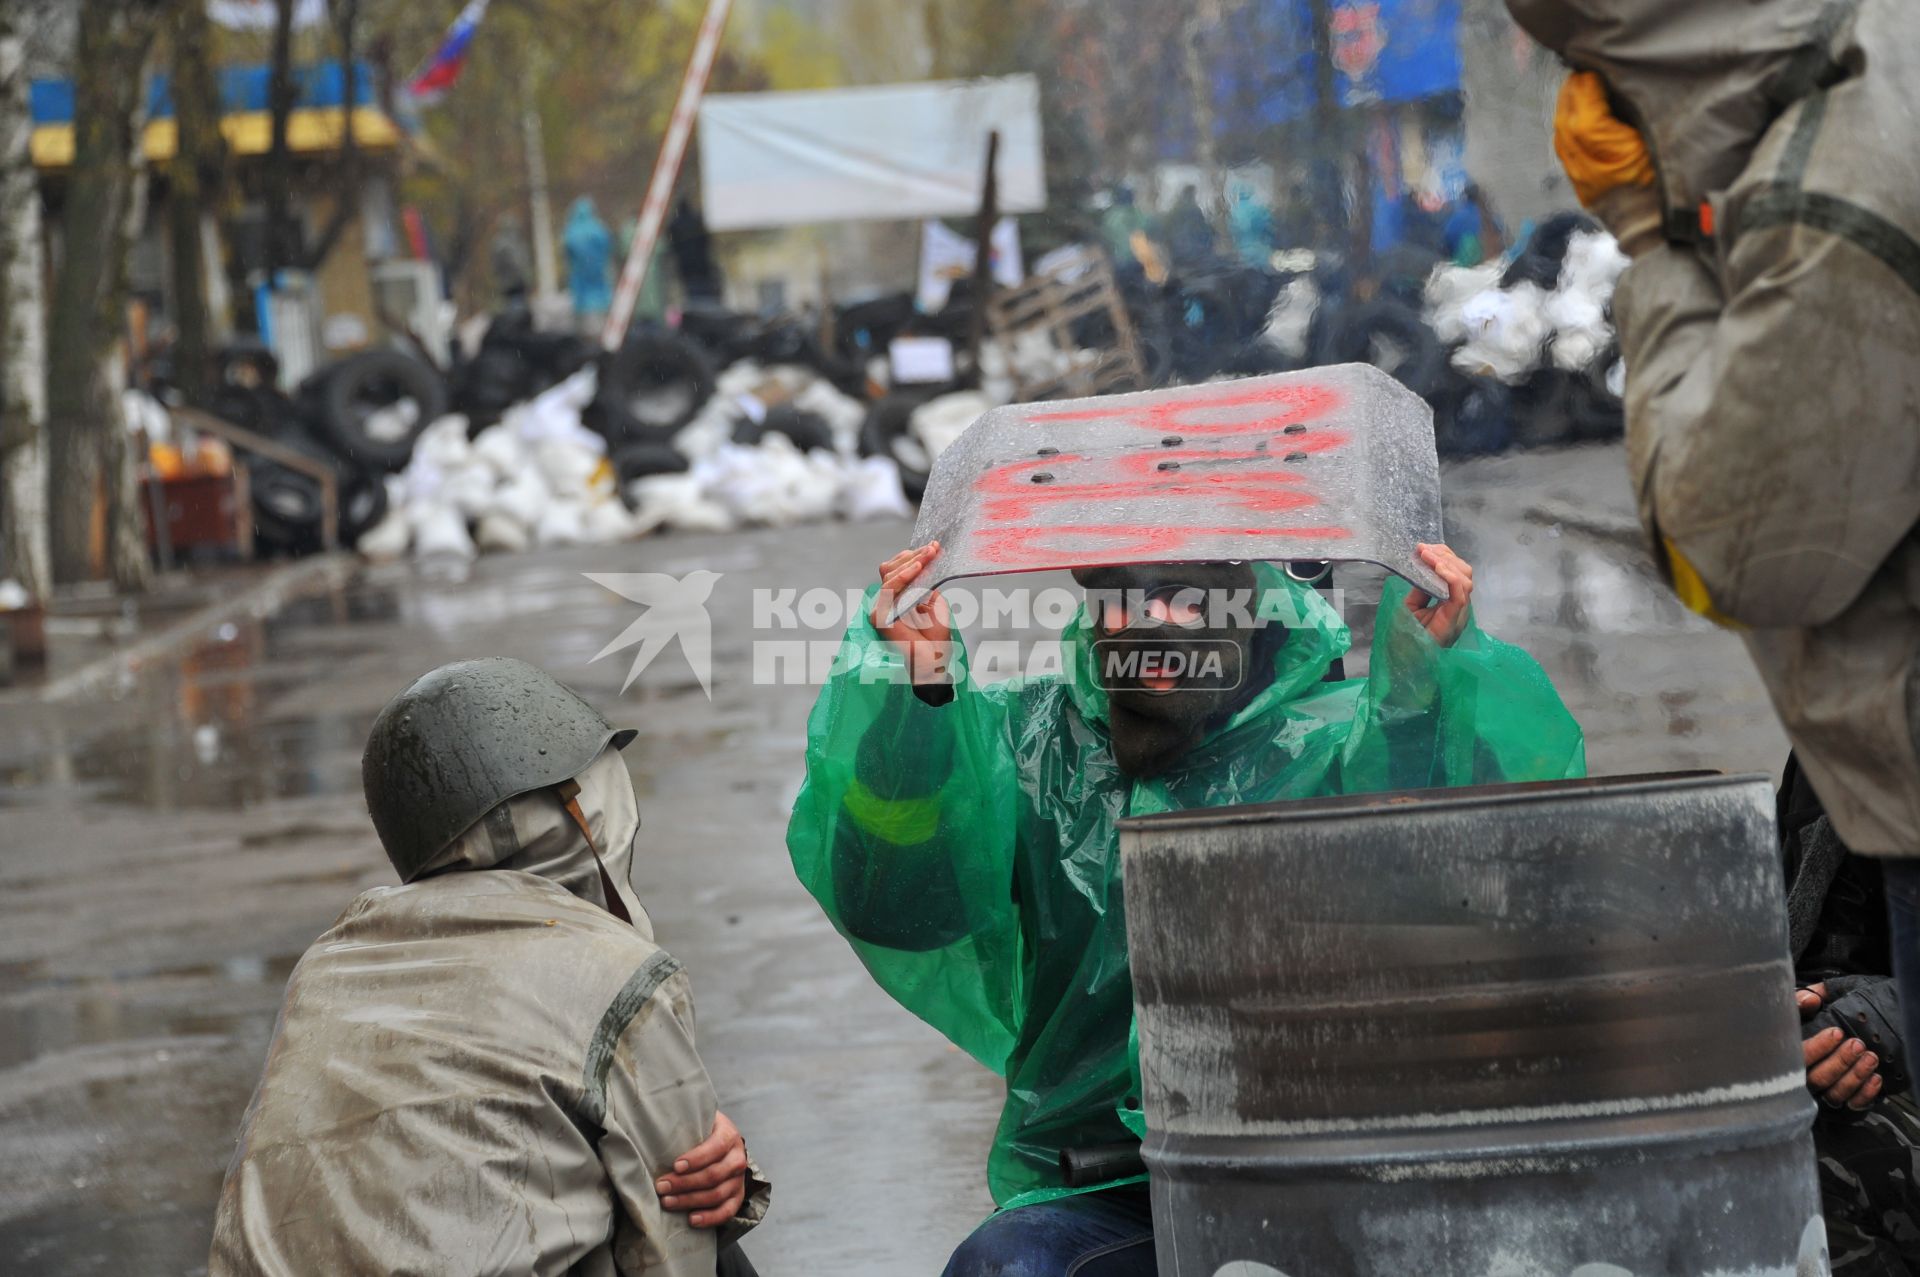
(711, 427)
(421, 482)
(13, 595)
(1581, 333)
(676, 501)
(608, 522)
(502, 533)
(938, 422)
(470, 489)
(443, 444)
(563, 522)
(522, 498)
(1593, 264)
(502, 449)
(813, 480)
(996, 372)
(1449, 288)
(870, 489)
(440, 532)
(553, 415)
(567, 467)
(1507, 330)
(1578, 307)
(388, 539)
(758, 484)
(737, 379)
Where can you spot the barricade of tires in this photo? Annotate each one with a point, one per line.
(361, 414)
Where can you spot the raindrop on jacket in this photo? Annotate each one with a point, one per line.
(969, 852)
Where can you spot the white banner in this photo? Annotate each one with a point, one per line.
(948, 255)
(258, 15)
(891, 151)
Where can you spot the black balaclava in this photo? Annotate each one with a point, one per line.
(1225, 657)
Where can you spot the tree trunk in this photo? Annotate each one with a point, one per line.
(346, 15)
(281, 245)
(23, 329)
(86, 430)
(195, 174)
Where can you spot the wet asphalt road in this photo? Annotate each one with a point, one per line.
(167, 853)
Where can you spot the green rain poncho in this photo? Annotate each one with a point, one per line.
(969, 853)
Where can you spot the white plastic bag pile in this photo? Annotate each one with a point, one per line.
(771, 483)
(542, 478)
(1032, 356)
(1510, 333)
(1290, 318)
(936, 423)
(748, 389)
(537, 477)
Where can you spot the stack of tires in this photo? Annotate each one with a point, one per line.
(360, 415)
(645, 392)
(515, 361)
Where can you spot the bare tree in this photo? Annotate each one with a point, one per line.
(23, 327)
(281, 94)
(194, 176)
(89, 452)
(285, 249)
(346, 18)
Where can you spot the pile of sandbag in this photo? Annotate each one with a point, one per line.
(1534, 356)
(1506, 324)
(772, 447)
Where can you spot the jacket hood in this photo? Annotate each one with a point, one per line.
(1701, 80)
(533, 834)
(583, 216)
(1316, 637)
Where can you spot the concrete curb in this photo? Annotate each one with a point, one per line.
(262, 599)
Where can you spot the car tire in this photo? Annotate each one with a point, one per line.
(373, 406)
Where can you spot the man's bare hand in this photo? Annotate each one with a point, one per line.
(924, 633)
(709, 1179)
(1840, 1069)
(1444, 620)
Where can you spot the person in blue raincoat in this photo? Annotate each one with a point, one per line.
(963, 837)
(589, 248)
(1252, 223)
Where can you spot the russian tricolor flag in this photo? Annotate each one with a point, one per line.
(444, 67)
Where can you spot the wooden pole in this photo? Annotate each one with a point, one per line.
(666, 170)
(983, 253)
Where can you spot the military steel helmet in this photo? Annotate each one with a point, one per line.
(466, 738)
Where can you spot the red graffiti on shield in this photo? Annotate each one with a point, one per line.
(1195, 491)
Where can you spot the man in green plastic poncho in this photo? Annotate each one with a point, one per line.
(963, 837)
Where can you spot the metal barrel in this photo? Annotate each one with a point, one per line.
(1544, 1030)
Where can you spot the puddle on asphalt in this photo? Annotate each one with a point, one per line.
(196, 732)
(44, 1016)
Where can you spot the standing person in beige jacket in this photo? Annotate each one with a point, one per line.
(1758, 161)
(491, 1067)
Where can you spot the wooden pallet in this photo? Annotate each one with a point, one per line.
(1050, 304)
